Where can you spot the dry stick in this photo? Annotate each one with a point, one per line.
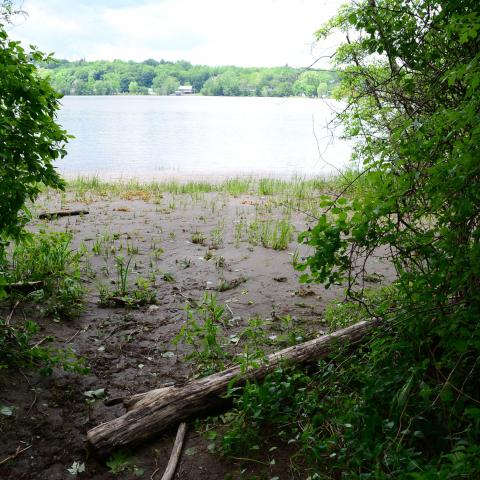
(320, 155)
(63, 213)
(44, 339)
(176, 450)
(230, 310)
(15, 455)
(73, 336)
(152, 476)
(10, 315)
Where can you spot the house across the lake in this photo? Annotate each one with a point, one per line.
(184, 90)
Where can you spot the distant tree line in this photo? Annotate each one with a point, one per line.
(164, 78)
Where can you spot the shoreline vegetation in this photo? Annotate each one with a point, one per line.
(298, 186)
(153, 77)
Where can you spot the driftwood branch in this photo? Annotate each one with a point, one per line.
(62, 213)
(154, 411)
(176, 451)
(24, 286)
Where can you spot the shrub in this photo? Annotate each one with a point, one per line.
(30, 140)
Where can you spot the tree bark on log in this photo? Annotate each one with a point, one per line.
(154, 411)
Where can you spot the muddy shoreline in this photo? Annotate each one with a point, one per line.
(131, 350)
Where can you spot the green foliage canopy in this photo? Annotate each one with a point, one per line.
(411, 80)
(163, 78)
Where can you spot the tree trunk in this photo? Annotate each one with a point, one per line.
(151, 412)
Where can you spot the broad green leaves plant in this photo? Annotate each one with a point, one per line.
(30, 139)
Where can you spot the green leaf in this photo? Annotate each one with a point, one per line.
(6, 410)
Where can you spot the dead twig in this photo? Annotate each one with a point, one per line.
(15, 455)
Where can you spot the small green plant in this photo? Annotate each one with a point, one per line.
(254, 338)
(66, 301)
(142, 294)
(123, 461)
(220, 262)
(97, 246)
(290, 333)
(216, 237)
(253, 232)
(168, 277)
(18, 350)
(122, 274)
(131, 249)
(202, 333)
(238, 232)
(186, 263)
(198, 238)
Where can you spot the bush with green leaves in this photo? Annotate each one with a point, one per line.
(30, 138)
(411, 73)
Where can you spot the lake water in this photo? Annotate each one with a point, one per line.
(150, 136)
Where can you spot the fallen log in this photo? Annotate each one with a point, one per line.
(62, 213)
(24, 286)
(154, 411)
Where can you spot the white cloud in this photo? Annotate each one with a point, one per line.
(213, 32)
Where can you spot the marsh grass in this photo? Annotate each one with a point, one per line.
(296, 187)
(277, 234)
(198, 238)
(217, 236)
(270, 233)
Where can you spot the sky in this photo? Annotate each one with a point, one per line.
(209, 32)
